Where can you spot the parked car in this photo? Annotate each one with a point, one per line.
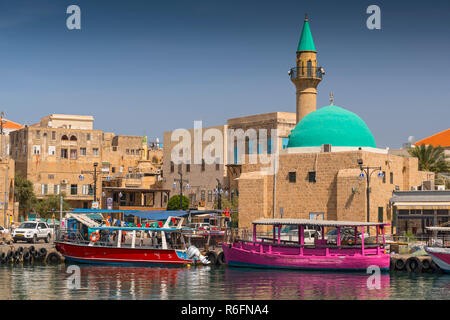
(3, 232)
(290, 233)
(347, 234)
(32, 231)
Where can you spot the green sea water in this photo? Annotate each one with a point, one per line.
(52, 282)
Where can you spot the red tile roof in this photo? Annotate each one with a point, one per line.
(439, 139)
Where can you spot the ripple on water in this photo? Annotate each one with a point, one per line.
(106, 282)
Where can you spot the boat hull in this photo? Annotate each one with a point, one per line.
(122, 256)
(235, 256)
(440, 256)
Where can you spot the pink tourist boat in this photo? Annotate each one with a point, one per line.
(348, 255)
(439, 250)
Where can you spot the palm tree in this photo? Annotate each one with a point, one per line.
(430, 158)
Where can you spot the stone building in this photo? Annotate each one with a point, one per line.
(416, 210)
(323, 173)
(7, 127)
(9, 210)
(240, 137)
(64, 153)
(200, 179)
(133, 180)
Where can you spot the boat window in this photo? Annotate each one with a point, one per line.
(28, 225)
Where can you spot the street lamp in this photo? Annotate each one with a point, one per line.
(219, 192)
(366, 172)
(181, 187)
(95, 181)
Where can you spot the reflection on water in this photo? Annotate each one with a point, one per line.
(105, 282)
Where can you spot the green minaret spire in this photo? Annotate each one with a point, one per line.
(306, 40)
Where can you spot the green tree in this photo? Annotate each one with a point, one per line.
(24, 194)
(174, 203)
(233, 205)
(50, 204)
(430, 158)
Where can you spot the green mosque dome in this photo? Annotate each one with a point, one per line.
(331, 125)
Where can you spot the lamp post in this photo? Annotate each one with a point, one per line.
(94, 173)
(366, 172)
(219, 192)
(95, 181)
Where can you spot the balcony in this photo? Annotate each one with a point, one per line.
(306, 72)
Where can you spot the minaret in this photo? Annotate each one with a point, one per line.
(144, 150)
(307, 75)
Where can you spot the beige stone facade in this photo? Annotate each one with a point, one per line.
(10, 211)
(335, 193)
(197, 173)
(62, 153)
(203, 179)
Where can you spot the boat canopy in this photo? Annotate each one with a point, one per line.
(324, 223)
(150, 215)
(110, 228)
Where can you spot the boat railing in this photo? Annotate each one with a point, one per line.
(109, 239)
(76, 237)
(297, 245)
(233, 234)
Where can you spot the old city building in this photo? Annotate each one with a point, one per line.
(9, 209)
(320, 175)
(204, 178)
(64, 153)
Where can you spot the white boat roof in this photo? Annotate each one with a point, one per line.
(325, 223)
(439, 229)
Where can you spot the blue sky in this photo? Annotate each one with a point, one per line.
(145, 67)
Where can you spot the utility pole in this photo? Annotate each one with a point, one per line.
(5, 205)
(181, 187)
(219, 194)
(94, 173)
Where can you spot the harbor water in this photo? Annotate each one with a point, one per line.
(53, 282)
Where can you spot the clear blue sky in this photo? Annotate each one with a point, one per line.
(145, 67)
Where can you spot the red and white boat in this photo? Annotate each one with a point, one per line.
(354, 255)
(106, 245)
(439, 250)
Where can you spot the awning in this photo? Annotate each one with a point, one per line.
(421, 205)
(442, 229)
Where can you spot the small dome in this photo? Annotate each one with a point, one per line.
(331, 125)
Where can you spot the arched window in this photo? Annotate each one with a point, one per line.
(64, 137)
(309, 68)
(73, 138)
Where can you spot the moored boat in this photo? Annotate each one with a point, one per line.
(107, 245)
(349, 256)
(438, 249)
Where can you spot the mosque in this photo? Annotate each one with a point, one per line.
(331, 168)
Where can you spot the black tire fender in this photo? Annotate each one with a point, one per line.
(53, 257)
(221, 259)
(212, 257)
